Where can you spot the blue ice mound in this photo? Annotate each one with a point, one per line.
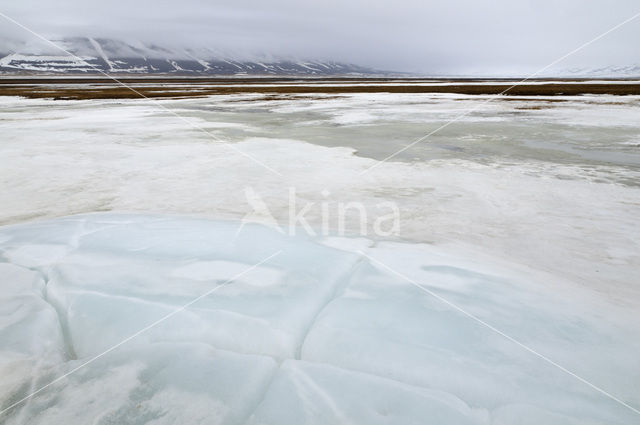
(292, 330)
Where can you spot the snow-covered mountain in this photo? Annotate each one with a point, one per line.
(612, 71)
(115, 56)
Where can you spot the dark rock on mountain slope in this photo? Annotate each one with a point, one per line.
(114, 56)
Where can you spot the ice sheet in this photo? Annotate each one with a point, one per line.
(329, 330)
(31, 338)
(123, 268)
(499, 178)
(524, 213)
(384, 325)
(159, 384)
(321, 394)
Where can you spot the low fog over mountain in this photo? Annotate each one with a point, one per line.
(456, 37)
(91, 55)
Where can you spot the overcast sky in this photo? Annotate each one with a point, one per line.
(452, 36)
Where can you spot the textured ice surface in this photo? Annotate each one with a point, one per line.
(318, 334)
(30, 334)
(498, 178)
(123, 269)
(323, 394)
(177, 383)
(386, 326)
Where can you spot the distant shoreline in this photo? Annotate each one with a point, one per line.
(77, 88)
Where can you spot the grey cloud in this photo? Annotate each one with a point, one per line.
(460, 36)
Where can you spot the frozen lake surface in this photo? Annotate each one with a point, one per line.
(293, 330)
(522, 213)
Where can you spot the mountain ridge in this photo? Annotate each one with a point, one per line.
(101, 55)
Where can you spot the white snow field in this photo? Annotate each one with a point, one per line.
(313, 335)
(508, 295)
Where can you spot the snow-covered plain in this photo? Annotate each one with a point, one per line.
(523, 215)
